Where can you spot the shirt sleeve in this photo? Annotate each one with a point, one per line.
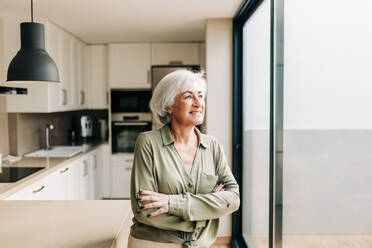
(142, 177)
(196, 207)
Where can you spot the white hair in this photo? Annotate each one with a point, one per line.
(167, 89)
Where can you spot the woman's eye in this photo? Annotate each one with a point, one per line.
(188, 97)
(201, 97)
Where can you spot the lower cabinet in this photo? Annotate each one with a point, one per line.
(78, 180)
(121, 171)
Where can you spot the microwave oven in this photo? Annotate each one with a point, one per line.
(130, 101)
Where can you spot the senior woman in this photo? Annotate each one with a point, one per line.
(181, 182)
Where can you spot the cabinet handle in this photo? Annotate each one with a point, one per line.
(107, 98)
(129, 160)
(85, 168)
(63, 171)
(95, 161)
(128, 168)
(175, 62)
(64, 97)
(38, 190)
(149, 76)
(82, 97)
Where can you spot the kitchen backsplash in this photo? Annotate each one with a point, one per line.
(27, 130)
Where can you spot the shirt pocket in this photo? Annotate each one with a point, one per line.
(207, 183)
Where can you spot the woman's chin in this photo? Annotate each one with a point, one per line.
(198, 121)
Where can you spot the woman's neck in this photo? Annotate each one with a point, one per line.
(183, 134)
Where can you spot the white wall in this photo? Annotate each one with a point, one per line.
(4, 136)
(218, 44)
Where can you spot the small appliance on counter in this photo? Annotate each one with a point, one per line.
(86, 127)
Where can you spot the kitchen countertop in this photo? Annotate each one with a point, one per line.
(49, 164)
(65, 224)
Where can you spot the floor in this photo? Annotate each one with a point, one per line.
(317, 241)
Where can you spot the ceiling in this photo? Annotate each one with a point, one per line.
(98, 21)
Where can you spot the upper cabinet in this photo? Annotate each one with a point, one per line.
(129, 65)
(96, 77)
(175, 53)
(77, 70)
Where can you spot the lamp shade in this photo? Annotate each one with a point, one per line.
(32, 62)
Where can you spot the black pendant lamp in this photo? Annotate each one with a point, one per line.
(32, 62)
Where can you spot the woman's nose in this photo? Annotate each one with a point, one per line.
(197, 101)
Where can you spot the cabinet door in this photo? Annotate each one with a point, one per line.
(53, 45)
(95, 62)
(75, 82)
(73, 180)
(94, 177)
(81, 76)
(84, 179)
(104, 172)
(48, 188)
(65, 72)
(175, 53)
(129, 65)
(121, 171)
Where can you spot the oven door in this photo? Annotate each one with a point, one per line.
(124, 134)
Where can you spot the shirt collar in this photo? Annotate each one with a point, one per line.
(168, 139)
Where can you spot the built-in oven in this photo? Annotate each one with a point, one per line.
(130, 101)
(125, 129)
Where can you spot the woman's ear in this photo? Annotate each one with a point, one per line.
(169, 110)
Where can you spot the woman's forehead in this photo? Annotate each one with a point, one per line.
(193, 86)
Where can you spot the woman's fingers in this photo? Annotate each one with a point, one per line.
(218, 187)
(148, 198)
(147, 192)
(157, 212)
(152, 205)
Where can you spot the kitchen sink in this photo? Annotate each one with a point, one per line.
(58, 152)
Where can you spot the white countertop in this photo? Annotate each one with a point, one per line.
(64, 224)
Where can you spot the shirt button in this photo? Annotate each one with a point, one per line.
(191, 184)
(196, 234)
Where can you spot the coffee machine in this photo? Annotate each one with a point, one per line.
(86, 127)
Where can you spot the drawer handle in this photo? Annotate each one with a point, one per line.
(37, 191)
(128, 168)
(129, 160)
(63, 171)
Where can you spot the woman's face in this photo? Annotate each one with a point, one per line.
(189, 105)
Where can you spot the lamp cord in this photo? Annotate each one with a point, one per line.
(32, 11)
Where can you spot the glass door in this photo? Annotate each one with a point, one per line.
(256, 127)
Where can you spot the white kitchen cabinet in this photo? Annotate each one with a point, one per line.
(175, 53)
(129, 65)
(51, 187)
(104, 171)
(95, 173)
(85, 178)
(42, 97)
(77, 180)
(77, 68)
(121, 171)
(68, 54)
(95, 64)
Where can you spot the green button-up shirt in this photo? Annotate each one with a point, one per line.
(194, 211)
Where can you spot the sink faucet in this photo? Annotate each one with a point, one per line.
(48, 127)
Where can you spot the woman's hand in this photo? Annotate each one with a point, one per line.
(158, 200)
(219, 187)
